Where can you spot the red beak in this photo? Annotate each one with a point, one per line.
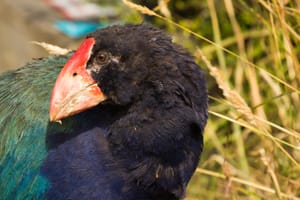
(75, 90)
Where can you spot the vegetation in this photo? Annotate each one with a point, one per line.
(250, 50)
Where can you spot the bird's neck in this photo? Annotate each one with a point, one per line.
(156, 146)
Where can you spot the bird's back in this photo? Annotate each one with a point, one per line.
(24, 108)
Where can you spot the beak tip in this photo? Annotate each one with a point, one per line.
(55, 118)
(52, 117)
(52, 111)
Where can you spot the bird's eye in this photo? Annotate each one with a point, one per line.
(102, 58)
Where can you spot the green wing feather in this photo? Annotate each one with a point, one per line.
(24, 117)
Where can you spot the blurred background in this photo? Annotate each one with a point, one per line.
(22, 22)
(250, 50)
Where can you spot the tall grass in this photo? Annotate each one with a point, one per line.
(250, 50)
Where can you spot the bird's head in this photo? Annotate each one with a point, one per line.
(139, 67)
(120, 64)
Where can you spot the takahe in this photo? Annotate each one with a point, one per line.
(131, 107)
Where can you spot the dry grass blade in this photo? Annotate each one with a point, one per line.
(292, 133)
(52, 49)
(277, 141)
(285, 130)
(267, 162)
(247, 183)
(163, 8)
(256, 130)
(140, 8)
(250, 72)
(251, 34)
(232, 96)
(217, 34)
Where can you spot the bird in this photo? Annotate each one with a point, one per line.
(122, 117)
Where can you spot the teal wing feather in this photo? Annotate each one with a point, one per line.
(24, 118)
